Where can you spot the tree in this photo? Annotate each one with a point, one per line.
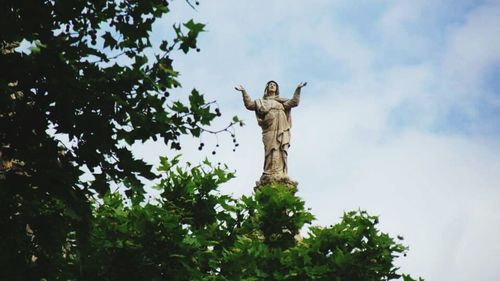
(195, 233)
(71, 83)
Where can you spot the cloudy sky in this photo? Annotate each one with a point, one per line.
(400, 117)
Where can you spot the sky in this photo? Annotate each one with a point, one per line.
(400, 117)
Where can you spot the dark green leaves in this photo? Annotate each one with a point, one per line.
(196, 100)
(180, 107)
(281, 215)
(91, 86)
(194, 27)
(109, 40)
(188, 41)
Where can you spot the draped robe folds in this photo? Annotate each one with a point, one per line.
(273, 116)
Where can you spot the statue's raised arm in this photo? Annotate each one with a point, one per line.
(294, 101)
(249, 103)
(273, 116)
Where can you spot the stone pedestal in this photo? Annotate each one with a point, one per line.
(271, 179)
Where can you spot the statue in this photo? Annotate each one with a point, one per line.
(273, 116)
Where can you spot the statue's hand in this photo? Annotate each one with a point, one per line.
(301, 85)
(239, 88)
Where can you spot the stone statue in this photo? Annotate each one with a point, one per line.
(273, 116)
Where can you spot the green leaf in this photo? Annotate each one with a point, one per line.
(196, 100)
(180, 107)
(109, 41)
(194, 27)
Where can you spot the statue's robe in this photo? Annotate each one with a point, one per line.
(273, 116)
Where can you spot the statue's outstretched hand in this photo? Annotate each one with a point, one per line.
(301, 85)
(239, 88)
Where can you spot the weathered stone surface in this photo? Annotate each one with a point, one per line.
(274, 117)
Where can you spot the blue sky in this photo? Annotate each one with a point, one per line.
(400, 116)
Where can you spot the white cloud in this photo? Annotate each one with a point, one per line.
(428, 188)
(473, 50)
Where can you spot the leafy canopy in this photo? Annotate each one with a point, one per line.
(84, 78)
(195, 233)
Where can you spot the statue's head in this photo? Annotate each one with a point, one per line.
(272, 89)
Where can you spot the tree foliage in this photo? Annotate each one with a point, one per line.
(192, 232)
(77, 71)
